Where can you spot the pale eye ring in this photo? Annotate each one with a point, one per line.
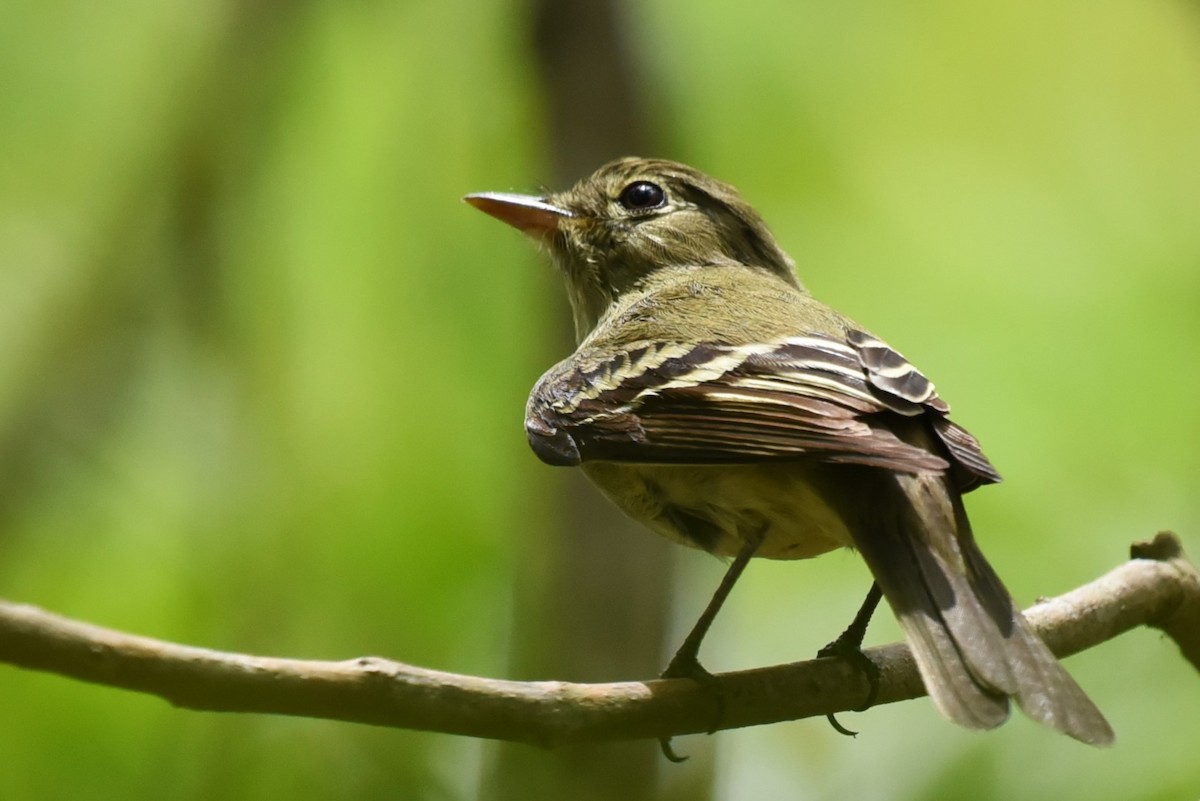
(642, 195)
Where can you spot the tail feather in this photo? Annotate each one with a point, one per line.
(1046, 692)
(973, 646)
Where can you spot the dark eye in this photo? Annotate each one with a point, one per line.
(642, 195)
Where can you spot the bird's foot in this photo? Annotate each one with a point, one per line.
(685, 665)
(848, 647)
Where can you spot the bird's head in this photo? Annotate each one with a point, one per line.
(620, 227)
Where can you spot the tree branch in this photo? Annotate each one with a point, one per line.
(1159, 587)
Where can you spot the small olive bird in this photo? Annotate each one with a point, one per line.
(714, 400)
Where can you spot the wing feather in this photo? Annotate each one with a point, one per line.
(815, 396)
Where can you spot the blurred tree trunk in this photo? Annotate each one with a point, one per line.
(596, 609)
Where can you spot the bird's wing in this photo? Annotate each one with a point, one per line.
(813, 396)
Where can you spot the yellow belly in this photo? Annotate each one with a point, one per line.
(729, 503)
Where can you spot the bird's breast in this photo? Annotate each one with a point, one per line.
(718, 508)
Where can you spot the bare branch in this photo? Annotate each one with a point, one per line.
(1159, 587)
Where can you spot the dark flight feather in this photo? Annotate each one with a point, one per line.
(800, 397)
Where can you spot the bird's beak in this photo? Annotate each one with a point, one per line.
(531, 215)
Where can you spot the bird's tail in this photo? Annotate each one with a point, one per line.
(973, 646)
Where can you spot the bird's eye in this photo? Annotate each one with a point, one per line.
(642, 195)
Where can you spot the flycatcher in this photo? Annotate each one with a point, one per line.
(713, 399)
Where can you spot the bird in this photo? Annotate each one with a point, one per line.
(714, 400)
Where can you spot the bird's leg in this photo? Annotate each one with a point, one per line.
(686, 663)
(848, 646)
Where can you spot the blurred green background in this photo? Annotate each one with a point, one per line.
(262, 375)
